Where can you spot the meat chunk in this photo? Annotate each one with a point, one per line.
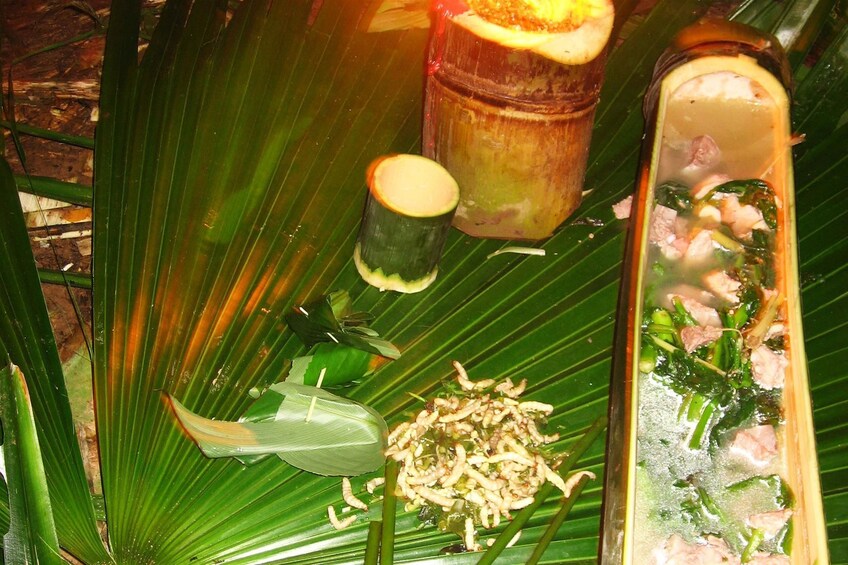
(712, 551)
(703, 153)
(742, 219)
(694, 337)
(770, 522)
(758, 444)
(622, 208)
(722, 285)
(663, 232)
(704, 315)
(662, 224)
(768, 368)
(701, 247)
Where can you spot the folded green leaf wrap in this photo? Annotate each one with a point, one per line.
(328, 320)
(341, 437)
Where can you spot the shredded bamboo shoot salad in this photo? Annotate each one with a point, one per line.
(468, 460)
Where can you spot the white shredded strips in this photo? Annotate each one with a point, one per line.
(371, 485)
(495, 464)
(347, 495)
(574, 479)
(339, 524)
(518, 250)
(514, 539)
(469, 534)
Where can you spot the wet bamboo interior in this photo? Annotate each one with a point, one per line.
(756, 146)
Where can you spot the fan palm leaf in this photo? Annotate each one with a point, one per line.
(26, 339)
(229, 181)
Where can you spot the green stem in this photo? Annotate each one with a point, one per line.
(647, 359)
(372, 547)
(720, 356)
(524, 515)
(65, 279)
(671, 349)
(698, 434)
(71, 192)
(387, 536)
(710, 505)
(557, 521)
(77, 140)
(753, 543)
(684, 406)
(661, 329)
(727, 242)
(696, 407)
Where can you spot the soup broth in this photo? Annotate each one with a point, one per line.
(710, 463)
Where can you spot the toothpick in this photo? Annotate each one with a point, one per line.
(314, 399)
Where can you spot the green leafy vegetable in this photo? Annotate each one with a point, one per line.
(774, 484)
(329, 319)
(674, 195)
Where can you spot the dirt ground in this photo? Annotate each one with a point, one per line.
(56, 87)
(51, 54)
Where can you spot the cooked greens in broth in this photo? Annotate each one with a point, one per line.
(713, 360)
(713, 354)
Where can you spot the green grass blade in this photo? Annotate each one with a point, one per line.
(32, 534)
(27, 335)
(79, 141)
(56, 189)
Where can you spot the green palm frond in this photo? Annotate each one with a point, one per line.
(229, 183)
(31, 536)
(26, 339)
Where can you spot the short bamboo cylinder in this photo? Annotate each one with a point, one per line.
(411, 203)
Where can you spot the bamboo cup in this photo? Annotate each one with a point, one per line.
(411, 200)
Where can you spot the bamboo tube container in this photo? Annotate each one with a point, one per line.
(411, 201)
(728, 83)
(509, 107)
